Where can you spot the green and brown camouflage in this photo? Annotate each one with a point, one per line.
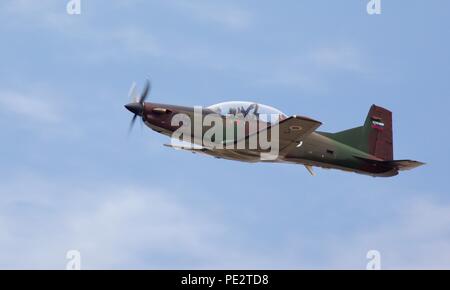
(367, 149)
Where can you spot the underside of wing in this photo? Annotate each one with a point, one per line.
(191, 147)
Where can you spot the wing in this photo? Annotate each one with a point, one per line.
(291, 131)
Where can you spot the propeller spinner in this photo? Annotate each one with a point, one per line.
(137, 107)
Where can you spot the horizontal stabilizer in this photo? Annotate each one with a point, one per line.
(404, 164)
(400, 165)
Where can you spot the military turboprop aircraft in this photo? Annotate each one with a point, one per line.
(367, 149)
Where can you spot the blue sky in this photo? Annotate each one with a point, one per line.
(71, 178)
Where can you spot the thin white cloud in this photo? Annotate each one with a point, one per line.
(119, 226)
(120, 44)
(417, 238)
(338, 57)
(36, 106)
(106, 43)
(305, 70)
(136, 40)
(113, 226)
(28, 7)
(224, 13)
(290, 77)
(28, 13)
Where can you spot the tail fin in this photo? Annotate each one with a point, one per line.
(374, 137)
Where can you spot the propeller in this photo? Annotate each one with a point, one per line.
(137, 106)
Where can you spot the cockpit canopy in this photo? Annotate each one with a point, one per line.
(249, 110)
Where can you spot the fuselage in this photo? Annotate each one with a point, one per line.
(316, 149)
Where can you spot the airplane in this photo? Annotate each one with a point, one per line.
(367, 149)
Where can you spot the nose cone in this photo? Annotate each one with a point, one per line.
(135, 108)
